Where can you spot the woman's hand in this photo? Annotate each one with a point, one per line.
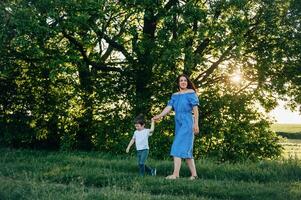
(196, 129)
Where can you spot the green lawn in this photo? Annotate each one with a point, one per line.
(290, 131)
(292, 142)
(26, 174)
(288, 128)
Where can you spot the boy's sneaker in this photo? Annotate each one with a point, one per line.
(154, 172)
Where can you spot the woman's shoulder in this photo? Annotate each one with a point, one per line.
(189, 91)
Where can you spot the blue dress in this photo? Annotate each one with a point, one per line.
(182, 104)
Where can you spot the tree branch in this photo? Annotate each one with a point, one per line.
(222, 77)
(199, 50)
(165, 9)
(204, 75)
(169, 4)
(80, 47)
(243, 88)
(117, 46)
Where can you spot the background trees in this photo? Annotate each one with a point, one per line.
(75, 73)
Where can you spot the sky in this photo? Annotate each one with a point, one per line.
(285, 116)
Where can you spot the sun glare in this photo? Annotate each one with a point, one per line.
(236, 78)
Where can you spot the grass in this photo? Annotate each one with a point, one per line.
(290, 131)
(287, 128)
(292, 139)
(26, 174)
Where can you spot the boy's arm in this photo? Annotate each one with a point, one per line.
(130, 144)
(152, 128)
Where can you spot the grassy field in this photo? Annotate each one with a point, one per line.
(26, 174)
(287, 128)
(292, 139)
(290, 131)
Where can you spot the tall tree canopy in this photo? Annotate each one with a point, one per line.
(74, 73)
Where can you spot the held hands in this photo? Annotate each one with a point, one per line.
(156, 118)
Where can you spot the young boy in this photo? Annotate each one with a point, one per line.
(140, 138)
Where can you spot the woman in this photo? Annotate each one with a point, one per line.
(186, 125)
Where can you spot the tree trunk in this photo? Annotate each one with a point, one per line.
(143, 71)
(86, 120)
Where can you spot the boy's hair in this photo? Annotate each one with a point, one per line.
(140, 119)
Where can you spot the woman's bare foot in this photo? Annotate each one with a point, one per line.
(171, 177)
(193, 178)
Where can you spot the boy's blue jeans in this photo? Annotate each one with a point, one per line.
(142, 156)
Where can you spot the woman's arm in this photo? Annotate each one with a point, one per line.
(196, 120)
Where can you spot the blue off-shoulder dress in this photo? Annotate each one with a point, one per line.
(182, 104)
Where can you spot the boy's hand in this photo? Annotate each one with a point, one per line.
(127, 150)
(156, 118)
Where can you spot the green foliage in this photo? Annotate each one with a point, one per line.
(73, 74)
(232, 129)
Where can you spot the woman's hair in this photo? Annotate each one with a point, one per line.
(140, 119)
(190, 84)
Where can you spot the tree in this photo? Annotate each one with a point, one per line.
(80, 70)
